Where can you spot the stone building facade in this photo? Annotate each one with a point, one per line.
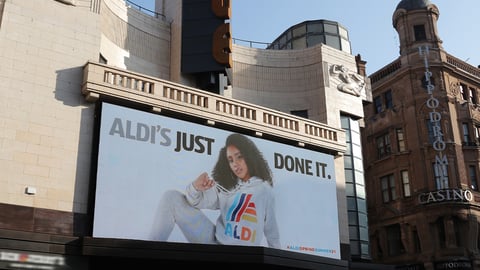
(421, 143)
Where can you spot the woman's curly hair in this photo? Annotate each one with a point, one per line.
(256, 163)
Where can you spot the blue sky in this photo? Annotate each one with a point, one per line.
(369, 24)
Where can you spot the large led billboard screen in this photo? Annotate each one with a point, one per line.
(165, 179)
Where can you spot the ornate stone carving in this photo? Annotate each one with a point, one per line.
(348, 81)
(455, 88)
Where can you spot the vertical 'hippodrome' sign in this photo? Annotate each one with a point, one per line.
(441, 162)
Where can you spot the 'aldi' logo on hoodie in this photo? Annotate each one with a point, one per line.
(241, 209)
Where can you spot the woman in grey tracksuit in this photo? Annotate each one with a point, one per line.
(240, 187)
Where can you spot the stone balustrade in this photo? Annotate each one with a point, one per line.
(103, 81)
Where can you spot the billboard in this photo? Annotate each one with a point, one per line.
(164, 179)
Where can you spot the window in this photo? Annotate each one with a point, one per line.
(400, 140)
(420, 34)
(394, 240)
(383, 146)
(440, 228)
(472, 173)
(463, 91)
(388, 188)
(333, 41)
(460, 227)
(416, 241)
(315, 27)
(405, 183)
(343, 32)
(378, 104)
(383, 101)
(434, 131)
(468, 93)
(315, 39)
(388, 99)
(299, 30)
(466, 134)
(472, 95)
(299, 43)
(477, 133)
(378, 245)
(331, 28)
(440, 170)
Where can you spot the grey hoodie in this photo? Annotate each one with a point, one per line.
(247, 212)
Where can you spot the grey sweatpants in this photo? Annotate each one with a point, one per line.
(175, 209)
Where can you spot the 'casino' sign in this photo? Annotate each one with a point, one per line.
(444, 195)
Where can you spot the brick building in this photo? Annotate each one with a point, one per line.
(421, 150)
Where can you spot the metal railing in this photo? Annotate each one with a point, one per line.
(250, 43)
(145, 10)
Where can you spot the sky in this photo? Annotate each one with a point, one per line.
(369, 24)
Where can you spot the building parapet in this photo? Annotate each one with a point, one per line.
(385, 72)
(100, 80)
(396, 65)
(463, 66)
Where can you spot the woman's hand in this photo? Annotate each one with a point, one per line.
(203, 182)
